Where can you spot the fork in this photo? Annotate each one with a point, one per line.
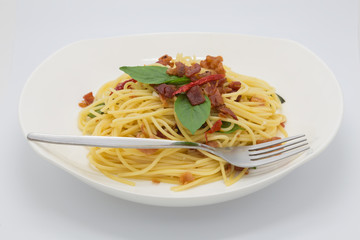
(241, 156)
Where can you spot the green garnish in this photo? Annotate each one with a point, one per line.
(98, 110)
(192, 117)
(282, 100)
(153, 75)
(234, 128)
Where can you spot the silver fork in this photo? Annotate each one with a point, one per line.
(242, 156)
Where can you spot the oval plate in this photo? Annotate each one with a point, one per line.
(49, 102)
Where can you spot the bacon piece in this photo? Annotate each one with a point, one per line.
(216, 127)
(195, 95)
(194, 78)
(165, 60)
(222, 88)
(201, 81)
(214, 94)
(209, 88)
(143, 130)
(214, 63)
(200, 75)
(235, 86)
(225, 90)
(228, 168)
(225, 110)
(160, 134)
(121, 85)
(163, 101)
(186, 177)
(165, 90)
(216, 99)
(221, 82)
(193, 69)
(214, 144)
(140, 134)
(82, 104)
(143, 134)
(155, 181)
(88, 99)
(257, 99)
(236, 168)
(204, 74)
(179, 70)
(238, 98)
(220, 69)
(282, 124)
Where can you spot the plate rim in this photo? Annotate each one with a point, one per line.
(260, 183)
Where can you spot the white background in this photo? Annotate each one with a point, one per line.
(319, 200)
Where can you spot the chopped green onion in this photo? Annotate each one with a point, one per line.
(98, 110)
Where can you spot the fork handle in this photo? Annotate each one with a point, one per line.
(115, 142)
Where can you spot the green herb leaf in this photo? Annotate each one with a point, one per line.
(192, 117)
(98, 110)
(282, 100)
(227, 124)
(153, 75)
(175, 80)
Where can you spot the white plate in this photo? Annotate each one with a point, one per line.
(49, 102)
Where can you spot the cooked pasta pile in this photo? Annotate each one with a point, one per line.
(137, 110)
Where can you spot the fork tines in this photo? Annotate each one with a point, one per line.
(278, 149)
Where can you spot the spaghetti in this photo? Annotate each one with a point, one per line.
(129, 108)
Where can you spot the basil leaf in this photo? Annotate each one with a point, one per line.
(192, 117)
(98, 110)
(153, 75)
(227, 124)
(282, 100)
(175, 80)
